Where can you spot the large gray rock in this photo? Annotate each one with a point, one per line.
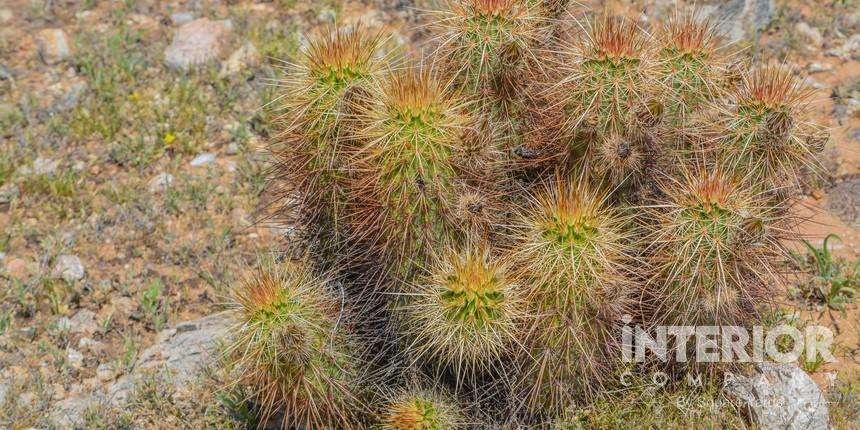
(780, 397)
(740, 19)
(180, 353)
(197, 42)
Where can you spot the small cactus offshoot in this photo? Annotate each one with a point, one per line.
(766, 132)
(312, 155)
(405, 198)
(290, 350)
(713, 248)
(574, 257)
(465, 311)
(416, 409)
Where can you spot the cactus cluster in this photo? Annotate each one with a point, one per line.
(498, 207)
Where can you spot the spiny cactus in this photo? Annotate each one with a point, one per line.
(569, 243)
(596, 99)
(290, 349)
(406, 193)
(486, 43)
(464, 312)
(606, 78)
(538, 178)
(334, 71)
(573, 255)
(713, 245)
(765, 130)
(690, 65)
(418, 409)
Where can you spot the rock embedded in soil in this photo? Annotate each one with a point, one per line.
(809, 34)
(84, 322)
(179, 18)
(160, 182)
(74, 358)
(68, 268)
(67, 94)
(739, 19)
(844, 201)
(780, 396)
(6, 15)
(41, 166)
(17, 268)
(197, 42)
(182, 352)
(54, 45)
(202, 159)
(244, 57)
(849, 49)
(8, 193)
(817, 67)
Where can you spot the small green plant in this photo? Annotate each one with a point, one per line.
(6, 321)
(7, 168)
(833, 282)
(57, 292)
(154, 304)
(61, 185)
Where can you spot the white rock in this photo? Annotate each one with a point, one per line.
(87, 344)
(41, 166)
(84, 322)
(202, 159)
(69, 412)
(160, 182)
(44, 166)
(197, 42)
(244, 57)
(780, 396)
(849, 48)
(852, 19)
(54, 45)
(69, 268)
(809, 34)
(6, 15)
(74, 358)
(67, 93)
(64, 324)
(813, 83)
(179, 18)
(8, 193)
(105, 372)
(818, 67)
(183, 351)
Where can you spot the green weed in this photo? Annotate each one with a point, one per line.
(833, 282)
